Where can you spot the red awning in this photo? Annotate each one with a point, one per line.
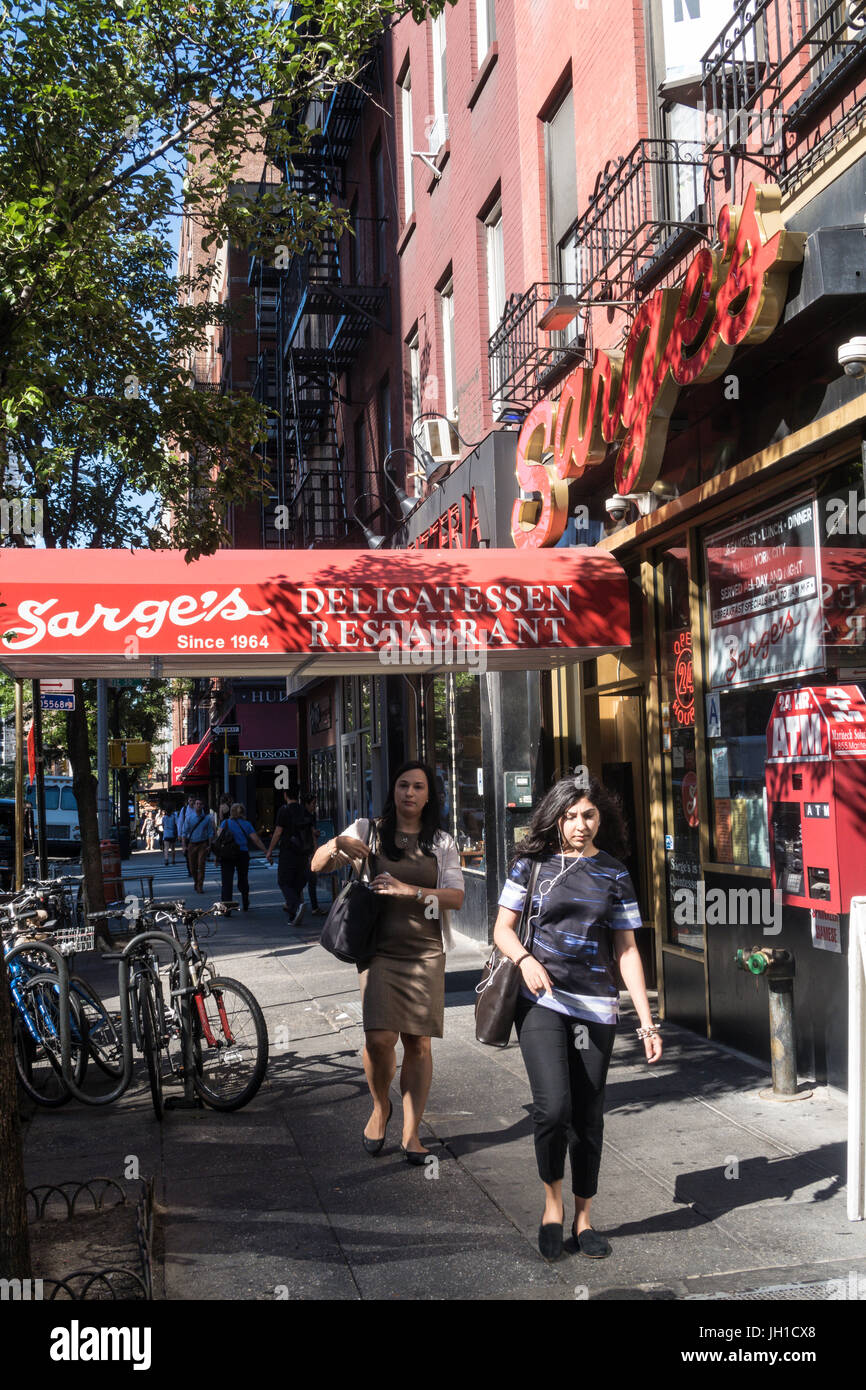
(263, 612)
(190, 763)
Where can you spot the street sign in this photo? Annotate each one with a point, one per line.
(217, 729)
(56, 702)
(56, 687)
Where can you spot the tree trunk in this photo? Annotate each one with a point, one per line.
(84, 787)
(14, 1239)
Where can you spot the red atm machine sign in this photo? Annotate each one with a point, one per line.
(816, 789)
(817, 723)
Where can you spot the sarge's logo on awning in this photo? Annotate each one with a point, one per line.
(679, 336)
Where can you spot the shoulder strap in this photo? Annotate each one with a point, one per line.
(524, 932)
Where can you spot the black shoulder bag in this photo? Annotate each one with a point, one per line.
(497, 991)
(350, 926)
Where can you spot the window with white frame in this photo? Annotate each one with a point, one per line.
(406, 136)
(446, 297)
(485, 26)
(439, 127)
(495, 267)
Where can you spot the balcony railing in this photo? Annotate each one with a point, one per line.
(644, 209)
(523, 357)
(783, 83)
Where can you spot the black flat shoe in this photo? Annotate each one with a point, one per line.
(550, 1240)
(592, 1244)
(415, 1159)
(374, 1146)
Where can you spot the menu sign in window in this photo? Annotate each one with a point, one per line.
(765, 598)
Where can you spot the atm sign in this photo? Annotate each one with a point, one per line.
(817, 810)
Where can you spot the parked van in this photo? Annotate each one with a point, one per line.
(62, 832)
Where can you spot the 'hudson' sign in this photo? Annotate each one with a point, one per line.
(679, 336)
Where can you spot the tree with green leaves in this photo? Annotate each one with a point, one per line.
(105, 106)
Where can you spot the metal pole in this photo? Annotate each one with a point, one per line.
(857, 1060)
(20, 804)
(40, 783)
(102, 802)
(783, 1053)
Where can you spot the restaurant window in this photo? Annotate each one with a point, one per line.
(679, 765)
(456, 713)
(785, 607)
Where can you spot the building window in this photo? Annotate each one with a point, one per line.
(495, 267)
(361, 499)
(377, 184)
(561, 177)
(406, 136)
(355, 242)
(414, 349)
(446, 300)
(439, 127)
(383, 401)
(485, 25)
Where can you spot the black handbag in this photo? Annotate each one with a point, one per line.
(498, 989)
(350, 926)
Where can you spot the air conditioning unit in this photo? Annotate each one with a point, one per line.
(440, 440)
(437, 133)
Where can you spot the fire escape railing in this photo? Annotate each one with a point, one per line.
(783, 83)
(522, 356)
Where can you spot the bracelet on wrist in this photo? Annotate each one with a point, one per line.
(527, 955)
(650, 1032)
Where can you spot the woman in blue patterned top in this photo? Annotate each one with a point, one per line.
(583, 916)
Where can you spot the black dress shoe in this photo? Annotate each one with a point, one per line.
(550, 1240)
(591, 1243)
(415, 1159)
(374, 1146)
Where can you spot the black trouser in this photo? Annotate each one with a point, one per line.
(227, 874)
(566, 1060)
(291, 876)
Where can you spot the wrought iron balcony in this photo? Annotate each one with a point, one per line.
(523, 357)
(646, 208)
(782, 84)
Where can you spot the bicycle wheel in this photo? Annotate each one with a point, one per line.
(151, 1038)
(37, 1059)
(230, 1043)
(103, 1039)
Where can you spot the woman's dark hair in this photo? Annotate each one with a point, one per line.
(431, 818)
(543, 837)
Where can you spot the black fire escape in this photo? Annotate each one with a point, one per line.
(322, 313)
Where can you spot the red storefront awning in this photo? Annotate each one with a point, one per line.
(110, 613)
(190, 763)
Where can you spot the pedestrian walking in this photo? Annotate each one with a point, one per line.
(310, 837)
(292, 862)
(169, 834)
(244, 835)
(583, 917)
(224, 809)
(146, 829)
(416, 867)
(198, 833)
(157, 829)
(187, 811)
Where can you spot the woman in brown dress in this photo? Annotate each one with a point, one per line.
(416, 867)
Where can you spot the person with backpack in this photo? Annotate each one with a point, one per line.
(169, 834)
(198, 833)
(186, 812)
(232, 851)
(293, 861)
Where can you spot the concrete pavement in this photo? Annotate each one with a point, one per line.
(707, 1191)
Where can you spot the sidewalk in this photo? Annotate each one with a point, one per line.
(705, 1189)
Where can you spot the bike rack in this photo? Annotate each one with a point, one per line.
(61, 979)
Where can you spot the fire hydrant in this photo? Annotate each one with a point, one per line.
(778, 966)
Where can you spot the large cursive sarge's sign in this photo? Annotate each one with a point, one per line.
(679, 336)
(99, 612)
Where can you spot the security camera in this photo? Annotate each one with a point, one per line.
(616, 507)
(852, 357)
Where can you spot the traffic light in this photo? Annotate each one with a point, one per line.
(127, 753)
